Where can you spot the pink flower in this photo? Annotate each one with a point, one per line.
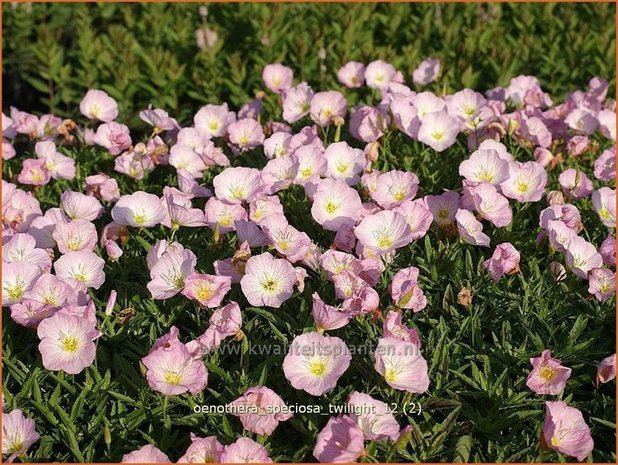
(277, 145)
(167, 276)
(158, 118)
(180, 212)
(225, 322)
(327, 317)
(608, 250)
(297, 102)
(245, 450)
(492, 205)
(401, 365)
(259, 410)
(279, 173)
(21, 247)
(485, 165)
(427, 103)
(96, 104)
(185, 158)
(202, 450)
(133, 165)
(582, 257)
(208, 290)
(75, 235)
(405, 291)
(504, 260)
(394, 327)
(171, 368)
(443, 207)
(548, 376)
(395, 187)
(79, 206)
(352, 74)
(58, 165)
(222, 215)
(246, 134)
(140, 209)
(268, 281)
(368, 124)
(146, 454)
(286, 239)
(602, 283)
(67, 343)
(327, 105)
(466, 105)
(344, 162)
(17, 278)
(34, 172)
(526, 182)
(315, 362)
(340, 441)
(18, 433)
(582, 121)
(606, 371)
(559, 235)
(607, 124)
(470, 229)
(426, 72)
(49, 290)
(417, 215)
(438, 130)
(263, 207)
(379, 74)
(213, 120)
(604, 203)
(335, 204)
(575, 183)
(383, 232)
(373, 417)
(577, 145)
(114, 137)
(311, 163)
(543, 156)
(277, 77)
(566, 432)
(83, 267)
(102, 186)
(605, 165)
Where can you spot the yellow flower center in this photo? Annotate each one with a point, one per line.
(16, 292)
(305, 173)
(385, 242)
(214, 125)
(604, 213)
(437, 135)
(547, 373)
(69, 344)
(342, 167)
(390, 375)
(486, 176)
(204, 292)
(330, 207)
(238, 193)
(317, 367)
(172, 378)
(139, 218)
(522, 187)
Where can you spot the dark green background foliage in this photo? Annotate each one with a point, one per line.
(147, 53)
(478, 407)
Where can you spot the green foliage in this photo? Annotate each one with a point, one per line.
(478, 408)
(147, 53)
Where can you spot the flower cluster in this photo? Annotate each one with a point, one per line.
(55, 259)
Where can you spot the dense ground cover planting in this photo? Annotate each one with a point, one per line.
(408, 231)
